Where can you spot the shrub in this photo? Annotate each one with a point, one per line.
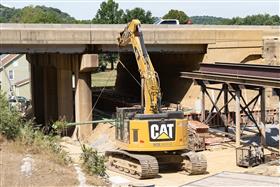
(38, 142)
(59, 126)
(93, 163)
(10, 119)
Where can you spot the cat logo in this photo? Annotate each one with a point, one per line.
(162, 130)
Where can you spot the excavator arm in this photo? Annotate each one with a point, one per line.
(150, 84)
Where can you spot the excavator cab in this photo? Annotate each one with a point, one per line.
(123, 115)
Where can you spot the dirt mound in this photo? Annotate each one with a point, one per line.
(103, 137)
(269, 169)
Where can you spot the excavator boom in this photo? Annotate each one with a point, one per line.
(150, 86)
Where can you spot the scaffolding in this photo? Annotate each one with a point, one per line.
(234, 78)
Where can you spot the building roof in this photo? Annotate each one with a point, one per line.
(22, 82)
(7, 59)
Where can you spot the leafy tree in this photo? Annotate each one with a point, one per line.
(259, 19)
(138, 13)
(7, 13)
(41, 14)
(83, 21)
(176, 14)
(209, 20)
(109, 13)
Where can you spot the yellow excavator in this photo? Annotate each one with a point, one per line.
(149, 138)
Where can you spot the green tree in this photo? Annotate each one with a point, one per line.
(138, 13)
(7, 13)
(176, 14)
(108, 13)
(41, 14)
(209, 20)
(259, 19)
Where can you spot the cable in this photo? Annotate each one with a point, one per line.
(129, 72)
(100, 94)
(107, 83)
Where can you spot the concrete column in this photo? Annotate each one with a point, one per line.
(83, 104)
(51, 82)
(237, 118)
(64, 89)
(263, 111)
(50, 93)
(83, 94)
(37, 93)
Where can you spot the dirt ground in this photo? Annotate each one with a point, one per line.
(219, 158)
(21, 168)
(41, 172)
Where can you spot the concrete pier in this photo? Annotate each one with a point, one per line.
(52, 89)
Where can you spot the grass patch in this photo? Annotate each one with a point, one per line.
(106, 78)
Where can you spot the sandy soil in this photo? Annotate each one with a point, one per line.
(218, 160)
(42, 172)
(73, 148)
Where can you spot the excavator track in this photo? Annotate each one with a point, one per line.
(138, 166)
(194, 163)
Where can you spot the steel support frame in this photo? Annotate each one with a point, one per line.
(225, 117)
(235, 91)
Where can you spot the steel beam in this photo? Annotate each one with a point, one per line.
(242, 69)
(219, 78)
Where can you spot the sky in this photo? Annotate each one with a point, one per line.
(86, 9)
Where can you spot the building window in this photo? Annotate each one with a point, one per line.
(11, 74)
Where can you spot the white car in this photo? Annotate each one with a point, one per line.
(167, 22)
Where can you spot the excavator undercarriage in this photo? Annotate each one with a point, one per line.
(147, 165)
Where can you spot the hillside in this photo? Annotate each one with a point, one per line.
(34, 14)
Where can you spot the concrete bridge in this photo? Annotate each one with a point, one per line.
(58, 52)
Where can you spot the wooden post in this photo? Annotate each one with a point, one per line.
(237, 118)
(279, 121)
(202, 103)
(226, 111)
(263, 111)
